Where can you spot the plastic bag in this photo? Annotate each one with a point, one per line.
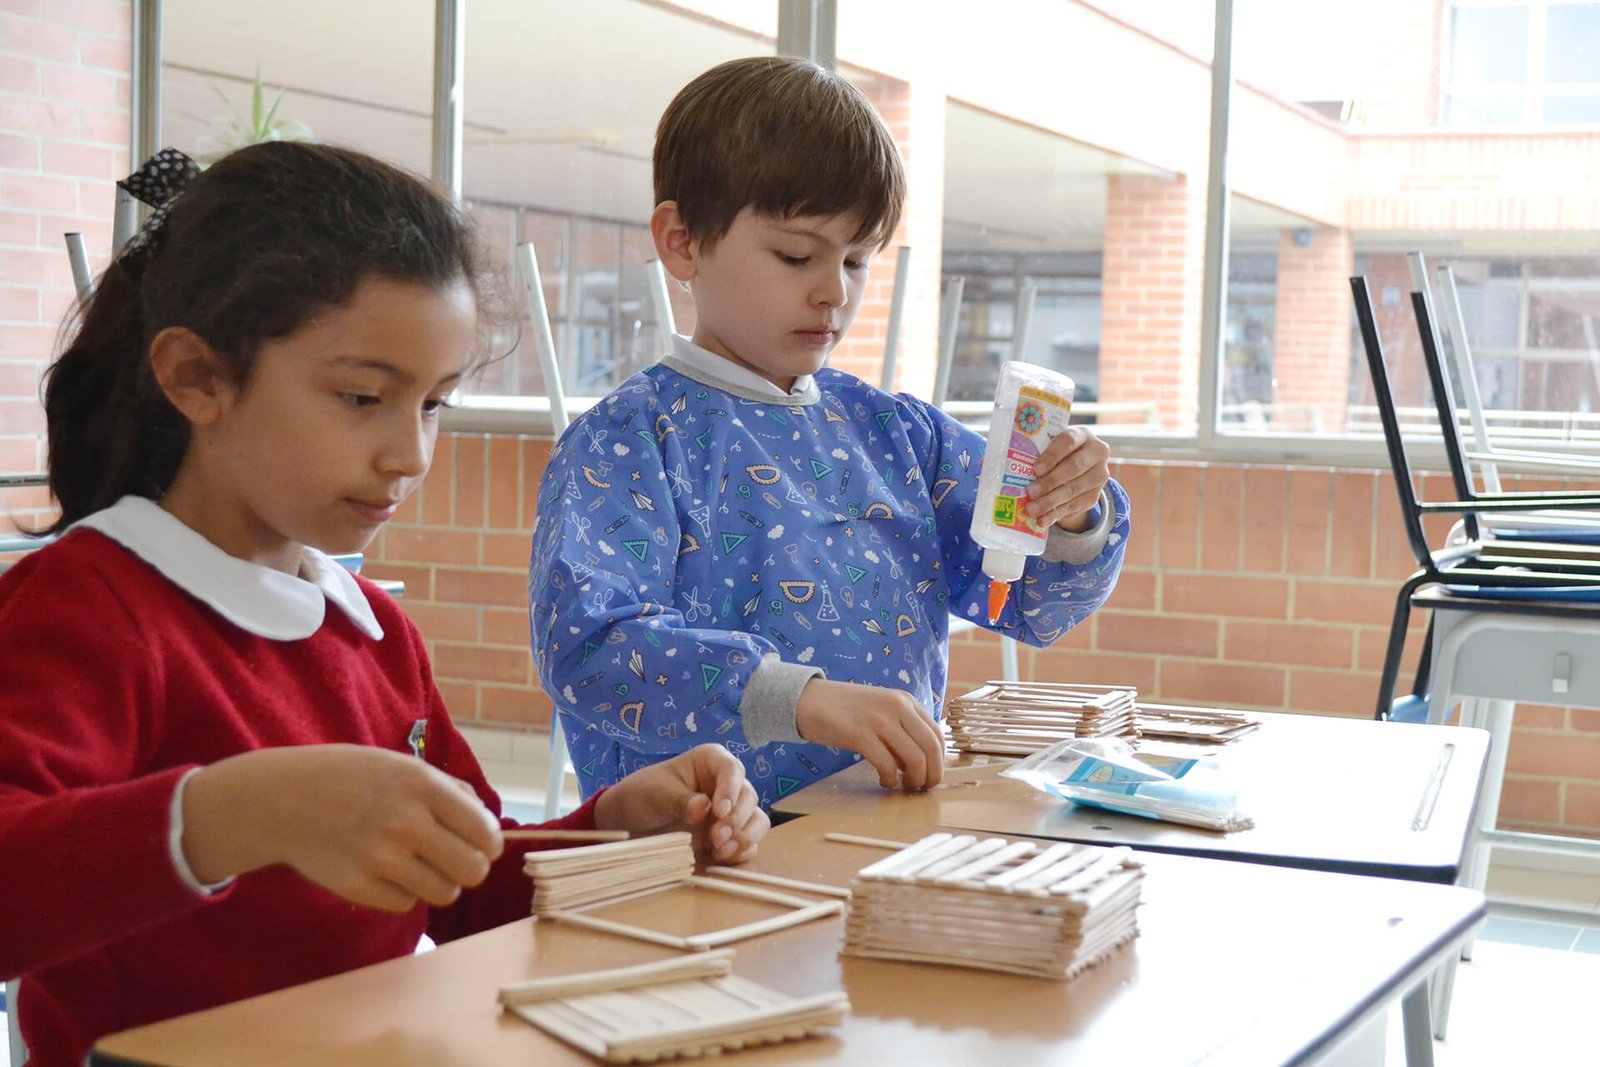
(1104, 772)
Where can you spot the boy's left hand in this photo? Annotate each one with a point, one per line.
(1068, 477)
(703, 791)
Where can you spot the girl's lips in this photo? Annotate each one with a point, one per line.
(815, 337)
(375, 513)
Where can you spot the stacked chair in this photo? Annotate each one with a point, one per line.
(1514, 612)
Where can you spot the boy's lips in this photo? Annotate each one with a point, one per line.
(821, 336)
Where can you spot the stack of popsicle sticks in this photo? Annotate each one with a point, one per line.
(1164, 722)
(1019, 718)
(591, 875)
(1015, 906)
(569, 882)
(689, 1006)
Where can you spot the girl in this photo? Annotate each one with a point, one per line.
(224, 765)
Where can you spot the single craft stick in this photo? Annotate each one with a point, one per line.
(709, 964)
(764, 926)
(754, 893)
(773, 879)
(638, 933)
(534, 834)
(870, 842)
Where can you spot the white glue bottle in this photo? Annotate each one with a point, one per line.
(1031, 406)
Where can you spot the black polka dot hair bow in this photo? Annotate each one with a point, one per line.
(157, 183)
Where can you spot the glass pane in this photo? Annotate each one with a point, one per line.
(1489, 45)
(561, 108)
(1484, 109)
(1572, 52)
(1098, 211)
(347, 74)
(1341, 167)
(1573, 110)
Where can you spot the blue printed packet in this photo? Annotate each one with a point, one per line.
(1105, 772)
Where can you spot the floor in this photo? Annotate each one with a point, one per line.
(1526, 996)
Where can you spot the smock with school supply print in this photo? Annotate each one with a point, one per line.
(686, 531)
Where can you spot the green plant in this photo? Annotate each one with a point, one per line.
(262, 124)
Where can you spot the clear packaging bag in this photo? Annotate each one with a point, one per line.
(1104, 772)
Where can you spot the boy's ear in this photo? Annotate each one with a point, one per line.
(674, 245)
(190, 374)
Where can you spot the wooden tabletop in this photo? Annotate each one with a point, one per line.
(1349, 795)
(1235, 963)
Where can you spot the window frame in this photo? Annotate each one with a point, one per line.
(807, 27)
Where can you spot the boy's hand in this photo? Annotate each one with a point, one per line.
(375, 827)
(703, 791)
(887, 726)
(1068, 477)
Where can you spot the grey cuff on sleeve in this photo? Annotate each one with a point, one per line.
(1065, 546)
(770, 698)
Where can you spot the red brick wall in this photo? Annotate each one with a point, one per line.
(1244, 586)
(1311, 348)
(64, 133)
(1150, 294)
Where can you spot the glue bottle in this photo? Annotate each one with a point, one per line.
(1031, 406)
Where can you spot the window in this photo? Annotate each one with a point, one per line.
(561, 106)
(358, 74)
(1526, 64)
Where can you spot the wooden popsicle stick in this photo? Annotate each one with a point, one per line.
(870, 842)
(535, 834)
(638, 933)
(705, 965)
(773, 879)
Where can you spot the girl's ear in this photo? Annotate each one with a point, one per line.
(677, 249)
(191, 375)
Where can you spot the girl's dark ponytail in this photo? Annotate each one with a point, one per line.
(257, 244)
(111, 430)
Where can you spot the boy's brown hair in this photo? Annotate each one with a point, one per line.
(784, 137)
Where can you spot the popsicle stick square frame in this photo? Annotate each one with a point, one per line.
(589, 878)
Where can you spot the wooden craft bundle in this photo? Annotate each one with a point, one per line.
(1019, 718)
(1048, 911)
(690, 1006)
(567, 878)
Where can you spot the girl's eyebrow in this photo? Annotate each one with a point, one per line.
(403, 376)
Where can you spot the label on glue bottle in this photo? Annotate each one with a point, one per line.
(1039, 416)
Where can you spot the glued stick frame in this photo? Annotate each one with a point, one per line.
(800, 911)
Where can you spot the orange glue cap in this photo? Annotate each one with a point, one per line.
(998, 591)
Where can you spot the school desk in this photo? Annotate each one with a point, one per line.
(1349, 795)
(1235, 964)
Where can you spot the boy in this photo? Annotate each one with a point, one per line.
(741, 545)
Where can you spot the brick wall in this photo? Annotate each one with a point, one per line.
(64, 133)
(1311, 348)
(1150, 294)
(1245, 586)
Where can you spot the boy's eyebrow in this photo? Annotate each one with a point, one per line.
(800, 231)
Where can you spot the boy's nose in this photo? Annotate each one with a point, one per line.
(832, 291)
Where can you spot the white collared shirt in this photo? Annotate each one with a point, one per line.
(257, 599)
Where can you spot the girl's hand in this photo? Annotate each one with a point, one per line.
(703, 791)
(376, 827)
(888, 727)
(1068, 477)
